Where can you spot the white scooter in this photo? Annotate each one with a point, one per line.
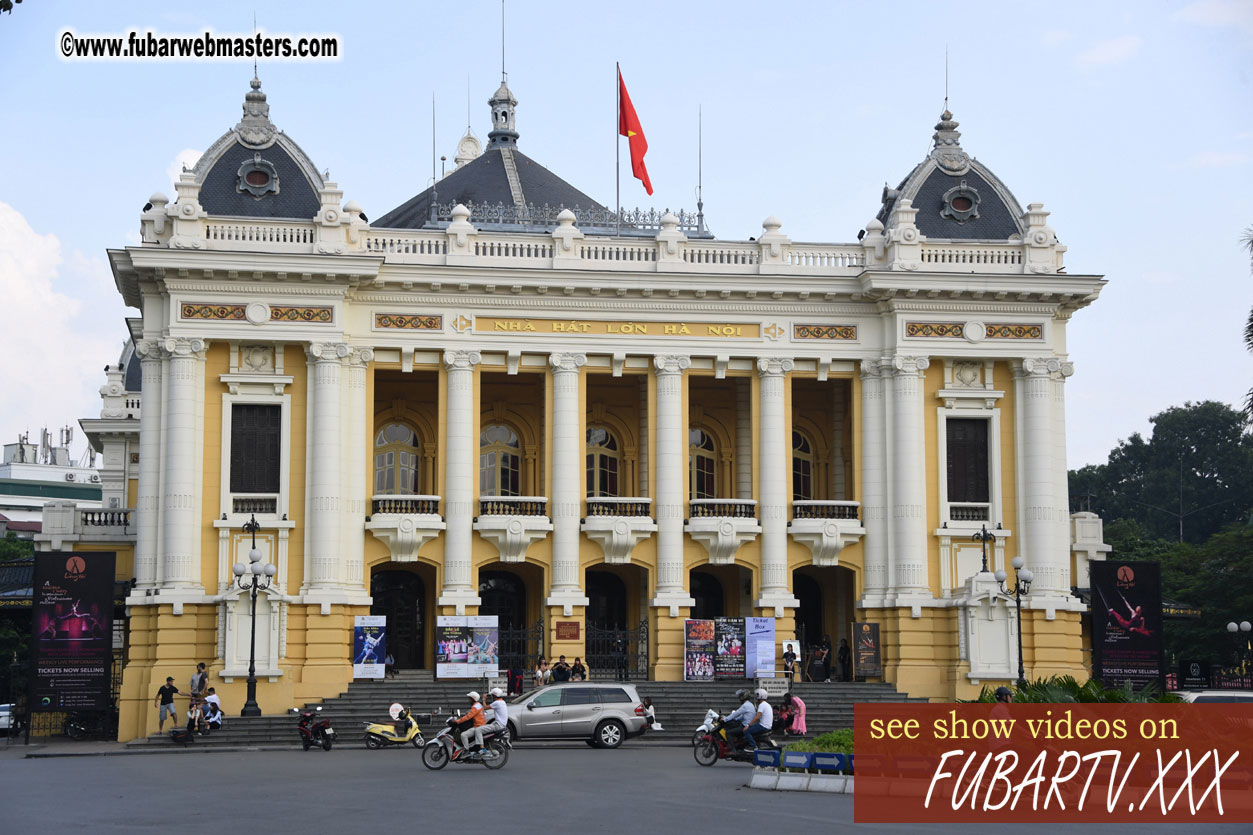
(705, 727)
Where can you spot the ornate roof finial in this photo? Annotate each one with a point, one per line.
(948, 153)
(504, 130)
(256, 130)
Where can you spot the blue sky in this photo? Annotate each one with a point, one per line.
(1131, 122)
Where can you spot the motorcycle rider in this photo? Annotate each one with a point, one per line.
(499, 719)
(473, 719)
(763, 719)
(738, 719)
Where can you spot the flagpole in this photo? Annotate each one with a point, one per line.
(617, 147)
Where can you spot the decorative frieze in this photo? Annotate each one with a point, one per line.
(1002, 331)
(403, 321)
(972, 331)
(242, 313)
(842, 332)
(935, 330)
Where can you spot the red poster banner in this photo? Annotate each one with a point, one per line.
(1058, 763)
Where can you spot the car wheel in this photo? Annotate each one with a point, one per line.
(706, 753)
(610, 734)
(372, 742)
(434, 756)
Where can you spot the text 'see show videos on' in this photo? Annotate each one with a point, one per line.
(1053, 763)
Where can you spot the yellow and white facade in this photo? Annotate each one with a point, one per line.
(565, 425)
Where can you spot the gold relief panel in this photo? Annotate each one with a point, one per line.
(403, 321)
(219, 312)
(742, 330)
(317, 315)
(824, 331)
(935, 330)
(1015, 331)
(256, 313)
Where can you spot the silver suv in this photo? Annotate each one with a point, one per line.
(602, 713)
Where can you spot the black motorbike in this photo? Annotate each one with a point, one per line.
(445, 747)
(718, 744)
(314, 733)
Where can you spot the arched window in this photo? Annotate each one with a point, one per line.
(603, 462)
(802, 467)
(500, 461)
(396, 461)
(703, 464)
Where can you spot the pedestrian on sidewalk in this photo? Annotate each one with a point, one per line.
(164, 701)
(578, 672)
(795, 707)
(199, 682)
(845, 657)
(826, 658)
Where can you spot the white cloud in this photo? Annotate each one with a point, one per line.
(60, 332)
(185, 158)
(1215, 159)
(1054, 36)
(1237, 13)
(1108, 53)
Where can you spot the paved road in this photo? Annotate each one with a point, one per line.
(350, 790)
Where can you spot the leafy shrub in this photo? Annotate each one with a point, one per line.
(1065, 689)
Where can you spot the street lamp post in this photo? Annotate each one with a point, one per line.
(1234, 629)
(254, 577)
(1021, 587)
(984, 536)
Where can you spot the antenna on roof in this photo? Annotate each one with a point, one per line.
(469, 123)
(700, 147)
(254, 32)
(434, 181)
(503, 76)
(946, 77)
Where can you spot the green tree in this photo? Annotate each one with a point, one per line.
(1246, 240)
(12, 548)
(1217, 578)
(1190, 478)
(7, 5)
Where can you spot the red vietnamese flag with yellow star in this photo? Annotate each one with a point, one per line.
(629, 126)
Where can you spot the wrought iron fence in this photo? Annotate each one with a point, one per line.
(521, 649)
(620, 654)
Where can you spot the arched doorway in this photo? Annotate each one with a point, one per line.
(707, 592)
(809, 612)
(400, 596)
(607, 600)
(503, 594)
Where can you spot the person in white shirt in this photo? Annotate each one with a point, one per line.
(740, 718)
(497, 721)
(763, 719)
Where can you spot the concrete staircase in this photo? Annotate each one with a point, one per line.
(680, 708)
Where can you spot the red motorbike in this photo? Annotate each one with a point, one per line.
(314, 733)
(714, 746)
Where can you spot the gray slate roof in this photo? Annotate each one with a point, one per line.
(483, 180)
(219, 193)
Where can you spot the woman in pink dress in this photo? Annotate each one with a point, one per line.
(794, 705)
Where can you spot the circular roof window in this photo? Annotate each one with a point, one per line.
(961, 203)
(257, 177)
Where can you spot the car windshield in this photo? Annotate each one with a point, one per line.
(517, 700)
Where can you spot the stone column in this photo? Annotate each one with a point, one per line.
(773, 482)
(181, 494)
(1061, 480)
(874, 482)
(358, 456)
(643, 490)
(147, 538)
(671, 463)
(743, 437)
(326, 363)
(460, 472)
(568, 474)
(909, 542)
(1044, 555)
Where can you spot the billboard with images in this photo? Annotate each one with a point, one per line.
(467, 646)
(71, 631)
(1127, 623)
(369, 646)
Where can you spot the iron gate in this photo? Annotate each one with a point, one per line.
(617, 653)
(521, 649)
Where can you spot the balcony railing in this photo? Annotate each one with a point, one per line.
(618, 506)
(723, 508)
(809, 509)
(404, 504)
(513, 506)
(114, 518)
(969, 511)
(245, 505)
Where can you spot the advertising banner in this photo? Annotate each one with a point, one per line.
(867, 652)
(730, 650)
(369, 646)
(1193, 675)
(466, 646)
(1127, 623)
(698, 650)
(72, 631)
(759, 637)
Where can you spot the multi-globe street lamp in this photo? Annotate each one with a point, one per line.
(1021, 588)
(985, 537)
(1234, 629)
(253, 577)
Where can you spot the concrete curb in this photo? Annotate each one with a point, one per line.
(235, 749)
(768, 779)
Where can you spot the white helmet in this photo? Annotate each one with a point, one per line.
(761, 694)
(497, 692)
(473, 694)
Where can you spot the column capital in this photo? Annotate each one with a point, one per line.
(327, 351)
(566, 363)
(461, 360)
(181, 346)
(151, 349)
(1040, 367)
(361, 355)
(908, 364)
(671, 364)
(876, 367)
(774, 366)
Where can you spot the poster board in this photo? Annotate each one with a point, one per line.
(759, 638)
(71, 631)
(466, 646)
(867, 651)
(698, 650)
(369, 646)
(1127, 623)
(730, 650)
